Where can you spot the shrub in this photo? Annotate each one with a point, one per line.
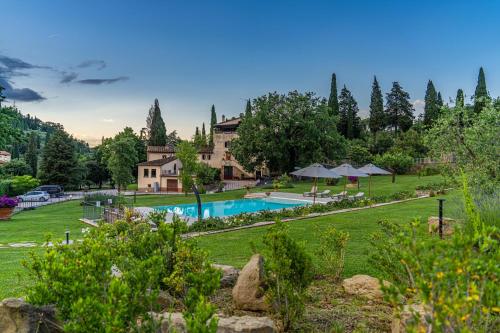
(358, 154)
(5, 186)
(132, 187)
(16, 167)
(399, 163)
(332, 244)
(23, 184)
(289, 273)
(206, 175)
(456, 277)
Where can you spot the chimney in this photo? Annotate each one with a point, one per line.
(223, 118)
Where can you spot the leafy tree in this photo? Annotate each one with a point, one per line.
(285, 131)
(173, 139)
(377, 121)
(481, 96)
(213, 121)
(9, 133)
(139, 146)
(156, 126)
(411, 143)
(431, 108)
(333, 101)
(459, 100)
(357, 153)
(187, 155)
(380, 143)
(23, 184)
(2, 97)
(31, 155)
(349, 122)
(16, 167)
(121, 159)
(59, 161)
(398, 109)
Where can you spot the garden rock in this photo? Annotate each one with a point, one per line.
(171, 322)
(364, 285)
(229, 275)
(17, 316)
(165, 300)
(433, 223)
(246, 324)
(400, 323)
(248, 293)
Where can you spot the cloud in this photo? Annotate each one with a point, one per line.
(103, 81)
(108, 120)
(418, 105)
(20, 94)
(99, 64)
(68, 77)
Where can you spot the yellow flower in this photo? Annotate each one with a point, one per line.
(439, 275)
(465, 317)
(496, 309)
(459, 271)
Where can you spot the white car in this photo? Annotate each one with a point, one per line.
(34, 196)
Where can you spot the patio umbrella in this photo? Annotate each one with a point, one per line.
(315, 171)
(371, 169)
(348, 170)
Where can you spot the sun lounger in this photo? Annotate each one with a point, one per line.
(358, 196)
(324, 194)
(340, 195)
(308, 194)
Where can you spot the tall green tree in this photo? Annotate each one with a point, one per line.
(248, 109)
(431, 108)
(187, 155)
(481, 96)
(333, 101)
(377, 121)
(2, 97)
(203, 135)
(139, 145)
(156, 126)
(460, 99)
(59, 161)
(31, 155)
(440, 102)
(398, 109)
(349, 122)
(121, 159)
(213, 121)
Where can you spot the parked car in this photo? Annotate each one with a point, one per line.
(34, 196)
(55, 191)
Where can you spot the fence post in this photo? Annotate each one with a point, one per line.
(440, 227)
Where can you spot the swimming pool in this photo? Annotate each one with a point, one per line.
(231, 207)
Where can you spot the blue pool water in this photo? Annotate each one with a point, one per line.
(230, 207)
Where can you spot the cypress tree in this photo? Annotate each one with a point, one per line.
(431, 108)
(481, 93)
(248, 109)
(203, 135)
(440, 102)
(213, 121)
(349, 122)
(377, 116)
(333, 101)
(459, 101)
(31, 156)
(398, 109)
(156, 126)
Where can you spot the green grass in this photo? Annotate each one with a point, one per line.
(231, 248)
(235, 248)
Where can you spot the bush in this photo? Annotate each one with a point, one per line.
(23, 184)
(358, 154)
(331, 252)
(132, 187)
(399, 163)
(289, 273)
(5, 186)
(112, 278)
(430, 170)
(206, 175)
(16, 167)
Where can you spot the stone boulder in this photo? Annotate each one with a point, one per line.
(174, 322)
(17, 316)
(364, 285)
(401, 321)
(433, 223)
(165, 300)
(229, 275)
(246, 324)
(248, 293)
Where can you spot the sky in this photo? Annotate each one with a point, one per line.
(97, 66)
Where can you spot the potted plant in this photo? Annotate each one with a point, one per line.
(7, 206)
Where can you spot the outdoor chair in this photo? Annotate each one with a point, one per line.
(309, 194)
(324, 194)
(358, 196)
(340, 195)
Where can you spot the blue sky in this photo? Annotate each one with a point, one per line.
(98, 65)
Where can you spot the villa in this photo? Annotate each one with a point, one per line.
(161, 170)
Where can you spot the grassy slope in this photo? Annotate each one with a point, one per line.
(33, 226)
(234, 248)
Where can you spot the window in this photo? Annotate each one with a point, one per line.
(146, 173)
(209, 156)
(175, 168)
(153, 173)
(163, 156)
(203, 157)
(227, 144)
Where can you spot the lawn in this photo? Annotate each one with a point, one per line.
(231, 248)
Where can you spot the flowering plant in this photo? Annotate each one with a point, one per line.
(352, 179)
(6, 202)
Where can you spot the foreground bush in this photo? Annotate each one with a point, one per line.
(331, 251)
(112, 279)
(456, 279)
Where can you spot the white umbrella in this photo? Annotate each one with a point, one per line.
(315, 171)
(371, 169)
(348, 170)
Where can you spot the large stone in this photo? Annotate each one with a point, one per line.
(229, 275)
(407, 316)
(433, 223)
(364, 285)
(171, 322)
(17, 316)
(248, 292)
(246, 324)
(165, 300)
